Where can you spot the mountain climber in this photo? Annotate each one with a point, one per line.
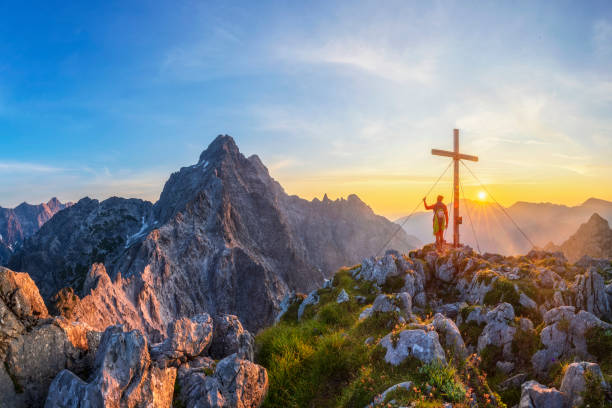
(440, 219)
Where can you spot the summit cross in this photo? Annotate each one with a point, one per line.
(456, 156)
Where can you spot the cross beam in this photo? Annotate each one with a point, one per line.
(456, 156)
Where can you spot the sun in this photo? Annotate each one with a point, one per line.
(482, 195)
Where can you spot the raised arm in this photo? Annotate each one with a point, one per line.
(427, 207)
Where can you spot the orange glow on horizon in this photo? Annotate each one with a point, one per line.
(397, 199)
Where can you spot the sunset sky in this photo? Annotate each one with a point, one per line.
(108, 98)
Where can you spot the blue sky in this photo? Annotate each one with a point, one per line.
(107, 98)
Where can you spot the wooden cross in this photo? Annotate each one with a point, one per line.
(456, 156)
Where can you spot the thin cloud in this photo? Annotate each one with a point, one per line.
(602, 38)
(25, 167)
(403, 67)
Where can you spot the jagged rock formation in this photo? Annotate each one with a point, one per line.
(34, 347)
(235, 383)
(69, 364)
(23, 221)
(593, 238)
(60, 254)
(223, 238)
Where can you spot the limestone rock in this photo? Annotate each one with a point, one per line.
(35, 358)
(235, 383)
(378, 270)
(527, 302)
(342, 297)
(498, 331)
(514, 381)
(124, 376)
(451, 310)
(591, 294)
(420, 344)
(564, 336)
(379, 399)
(536, 395)
(451, 335)
(187, 339)
(229, 337)
(311, 299)
(574, 383)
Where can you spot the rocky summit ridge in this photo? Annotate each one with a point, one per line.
(450, 329)
(223, 237)
(21, 222)
(53, 362)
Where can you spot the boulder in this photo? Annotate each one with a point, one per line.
(379, 399)
(21, 295)
(311, 299)
(498, 331)
(229, 337)
(451, 310)
(21, 306)
(536, 395)
(505, 367)
(124, 375)
(591, 294)
(574, 381)
(445, 271)
(187, 339)
(414, 277)
(527, 302)
(378, 270)
(564, 336)
(342, 297)
(513, 382)
(235, 383)
(548, 279)
(450, 335)
(420, 344)
(36, 357)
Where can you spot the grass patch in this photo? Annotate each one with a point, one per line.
(489, 356)
(599, 344)
(393, 284)
(502, 291)
(443, 380)
(594, 395)
(471, 331)
(524, 345)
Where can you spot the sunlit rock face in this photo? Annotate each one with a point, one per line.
(224, 237)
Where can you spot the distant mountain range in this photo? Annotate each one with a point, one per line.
(593, 238)
(543, 223)
(224, 237)
(20, 222)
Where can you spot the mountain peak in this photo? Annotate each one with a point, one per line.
(598, 220)
(222, 145)
(591, 202)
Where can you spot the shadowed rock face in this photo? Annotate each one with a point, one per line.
(60, 254)
(23, 221)
(224, 237)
